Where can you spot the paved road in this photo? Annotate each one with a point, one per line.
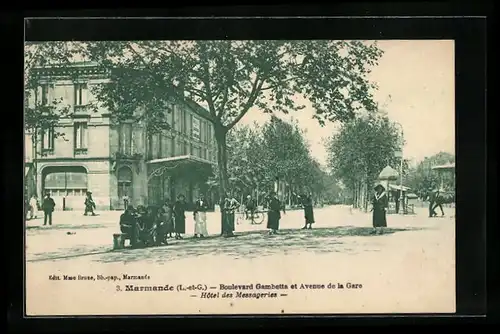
(410, 268)
(74, 234)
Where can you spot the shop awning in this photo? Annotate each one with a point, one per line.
(179, 159)
(179, 162)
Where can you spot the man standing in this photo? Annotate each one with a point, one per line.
(48, 207)
(250, 207)
(125, 201)
(200, 217)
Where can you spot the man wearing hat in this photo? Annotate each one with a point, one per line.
(89, 204)
(250, 207)
(380, 203)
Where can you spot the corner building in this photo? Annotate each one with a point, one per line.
(114, 159)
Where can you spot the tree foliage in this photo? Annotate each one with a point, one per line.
(363, 148)
(230, 77)
(422, 178)
(359, 152)
(40, 114)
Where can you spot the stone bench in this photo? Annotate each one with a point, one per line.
(119, 240)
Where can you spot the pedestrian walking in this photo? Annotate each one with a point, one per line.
(33, 207)
(307, 204)
(48, 206)
(274, 213)
(379, 203)
(200, 217)
(179, 216)
(89, 204)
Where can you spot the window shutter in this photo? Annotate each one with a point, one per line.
(85, 137)
(85, 94)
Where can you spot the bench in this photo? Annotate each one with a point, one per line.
(119, 240)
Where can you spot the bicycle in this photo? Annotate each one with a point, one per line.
(256, 217)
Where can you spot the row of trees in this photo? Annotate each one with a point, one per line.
(422, 178)
(259, 156)
(228, 77)
(359, 152)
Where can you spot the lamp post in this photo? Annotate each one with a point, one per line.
(401, 201)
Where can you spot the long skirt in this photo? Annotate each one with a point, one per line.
(169, 223)
(273, 220)
(309, 214)
(180, 224)
(379, 218)
(229, 222)
(200, 226)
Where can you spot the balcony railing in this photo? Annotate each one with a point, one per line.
(80, 109)
(81, 151)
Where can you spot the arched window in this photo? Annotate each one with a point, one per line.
(65, 180)
(124, 182)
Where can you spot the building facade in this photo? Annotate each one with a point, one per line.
(115, 159)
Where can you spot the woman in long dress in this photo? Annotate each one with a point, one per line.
(307, 204)
(273, 213)
(380, 203)
(180, 217)
(230, 206)
(168, 218)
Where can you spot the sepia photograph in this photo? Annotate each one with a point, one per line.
(196, 177)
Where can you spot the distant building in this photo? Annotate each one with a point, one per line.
(115, 159)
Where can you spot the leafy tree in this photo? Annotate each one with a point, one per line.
(41, 112)
(361, 150)
(422, 178)
(231, 77)
(287, 154)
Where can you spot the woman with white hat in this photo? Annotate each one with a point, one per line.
(380, 203)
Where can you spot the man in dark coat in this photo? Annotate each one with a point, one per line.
(179, 216)
(380, 203)
(128, 224)
(273, 214)
(89, 204)
(307, 204)
(48, 206)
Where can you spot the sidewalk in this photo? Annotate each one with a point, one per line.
(73, 234)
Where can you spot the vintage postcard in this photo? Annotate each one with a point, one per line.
(239, 177)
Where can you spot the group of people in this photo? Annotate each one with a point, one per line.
(155, 225)
(274, 210)
(47, 206)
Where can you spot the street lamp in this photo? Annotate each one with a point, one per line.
(401, 201)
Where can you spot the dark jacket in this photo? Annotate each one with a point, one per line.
(48, 204)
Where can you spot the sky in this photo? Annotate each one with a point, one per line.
(416, 82)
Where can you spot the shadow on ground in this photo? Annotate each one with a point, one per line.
(46, 229)
(253, 244)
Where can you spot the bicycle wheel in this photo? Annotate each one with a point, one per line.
(258, 218)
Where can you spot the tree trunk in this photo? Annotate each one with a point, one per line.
(220, 137)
